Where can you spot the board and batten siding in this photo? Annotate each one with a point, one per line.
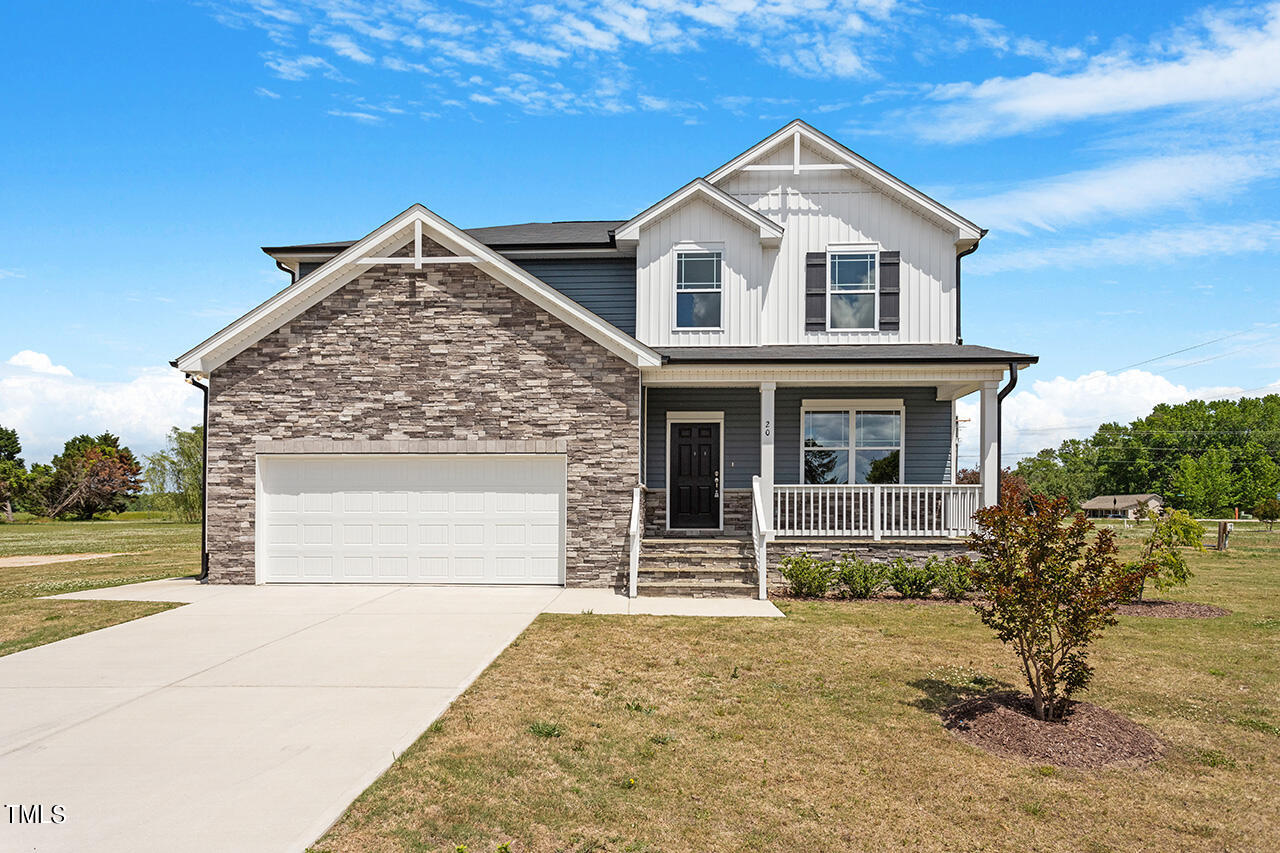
(741, 407)
(927, 446)
(763, 300)
(604, 286)
(927, 443)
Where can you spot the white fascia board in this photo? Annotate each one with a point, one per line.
(965, 230)
(948, 374)
(333, 274)
(628, 234)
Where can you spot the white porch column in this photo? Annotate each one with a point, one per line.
(989, 465)
(767, 429)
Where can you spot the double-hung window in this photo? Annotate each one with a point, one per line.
(698, 289)
(847, 444)
(852, 277)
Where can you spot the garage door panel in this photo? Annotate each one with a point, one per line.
(438, 519)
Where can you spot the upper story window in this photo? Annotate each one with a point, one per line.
(852, 278)
(851, 445)
(698, 289)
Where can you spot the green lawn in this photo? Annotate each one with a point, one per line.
(820, 732)
(149, 550)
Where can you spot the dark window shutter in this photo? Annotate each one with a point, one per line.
(890, 292)
(815, 292)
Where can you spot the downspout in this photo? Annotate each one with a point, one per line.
(280, 265)
(204, 480)
(965, 253)
(1004, 392)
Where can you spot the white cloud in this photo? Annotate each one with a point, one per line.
(37, 362)
(343, 45)
(10, 274)
(299, 67)
(48, 406)
(357, 115)
(1156, 246)
(1226, 57)
(1131, 187)
(266, 93)
(995, 37)
(1053, 410)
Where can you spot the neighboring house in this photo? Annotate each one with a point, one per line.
(1122, 506)
(766, 359)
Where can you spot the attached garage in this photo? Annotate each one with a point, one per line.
(365, 518)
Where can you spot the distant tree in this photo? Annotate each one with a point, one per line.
(1162, 560)
(1071, 471)
(1203, 485)
(968, 477)
(13, 473)
(1268, 511)
(175, 475)
(90, 476)
(1052, 584)
(885, 469)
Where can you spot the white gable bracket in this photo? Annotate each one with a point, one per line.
(628, 233)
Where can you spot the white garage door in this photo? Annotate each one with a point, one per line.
(482, 518)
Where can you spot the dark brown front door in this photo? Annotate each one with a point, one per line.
(695, 476)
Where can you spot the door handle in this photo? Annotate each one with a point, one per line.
(717, 493)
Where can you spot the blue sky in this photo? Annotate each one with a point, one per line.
(1124, 156)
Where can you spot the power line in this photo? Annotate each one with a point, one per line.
(1180, 351)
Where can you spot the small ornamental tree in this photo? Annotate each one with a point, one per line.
(1268, 511)
(1052, 585)
(1162, 560)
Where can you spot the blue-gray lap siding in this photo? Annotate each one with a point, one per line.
(928, 430)
(604, 286)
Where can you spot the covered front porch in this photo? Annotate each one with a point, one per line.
(779, 456)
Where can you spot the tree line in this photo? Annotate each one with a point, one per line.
(97, 475)
(1207, 457)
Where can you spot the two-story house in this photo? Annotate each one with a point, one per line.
(765, 360)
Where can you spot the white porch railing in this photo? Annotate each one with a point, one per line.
(875, 511)
(760, 536)
(633, 534)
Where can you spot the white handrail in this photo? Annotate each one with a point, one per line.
(760, 530)
(637, 522)
(875, 511)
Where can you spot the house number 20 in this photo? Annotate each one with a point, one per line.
(768, 427)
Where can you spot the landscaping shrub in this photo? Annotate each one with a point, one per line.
(911, 580)
(1052, 584)
(808, 576)
(1162, 562)
(954, 577)
(860, 579)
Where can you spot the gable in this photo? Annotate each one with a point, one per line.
(700, 191)
(400, 242)
(799, 149)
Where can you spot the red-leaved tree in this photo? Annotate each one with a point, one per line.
(1051, 584)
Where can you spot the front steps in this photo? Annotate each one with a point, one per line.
(697, 568)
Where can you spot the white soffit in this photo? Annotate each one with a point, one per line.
(628, 234)
(842, 157)
(412, 224)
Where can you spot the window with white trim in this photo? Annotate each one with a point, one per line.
(852, 278)
(852, 445)
(698, 289)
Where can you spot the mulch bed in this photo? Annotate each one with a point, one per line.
(1089, 738)
(1173, 610)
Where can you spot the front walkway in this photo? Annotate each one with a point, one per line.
(249, 718)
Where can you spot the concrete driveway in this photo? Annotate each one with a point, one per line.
(246, 720)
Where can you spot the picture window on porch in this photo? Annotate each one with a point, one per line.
(873, 456)
(851, 291)
(698, 290)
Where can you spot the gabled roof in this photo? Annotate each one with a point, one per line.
(1103, 502)
(799, 131)
(770, 231)
(413, 223)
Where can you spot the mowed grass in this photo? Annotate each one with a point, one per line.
(820, 732)
(149, 550)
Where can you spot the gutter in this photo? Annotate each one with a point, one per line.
(965, 253)
(203, 577)
(1004, 392)
(280, 265)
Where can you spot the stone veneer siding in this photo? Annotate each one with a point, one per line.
(440, 354)
(737, 517)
